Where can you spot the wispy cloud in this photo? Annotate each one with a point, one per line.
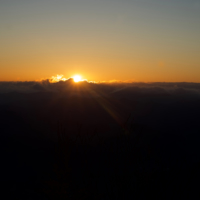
(118, 81)
(57, 78)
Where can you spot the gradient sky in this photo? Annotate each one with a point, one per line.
(139, 40)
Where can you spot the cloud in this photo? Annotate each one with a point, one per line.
(172, 107)
(118, 81)
(55, 79)
(60, 84)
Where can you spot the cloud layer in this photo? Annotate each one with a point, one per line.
(64, 85)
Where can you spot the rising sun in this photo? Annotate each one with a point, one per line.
(77, 78)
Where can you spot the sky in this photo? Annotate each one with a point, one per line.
(101, 40)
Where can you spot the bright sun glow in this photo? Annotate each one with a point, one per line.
(77, 78)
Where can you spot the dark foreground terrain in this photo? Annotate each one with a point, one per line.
(116, 144)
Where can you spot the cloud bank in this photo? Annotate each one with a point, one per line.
(66, 85)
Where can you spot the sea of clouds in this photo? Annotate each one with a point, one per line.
(163, 88)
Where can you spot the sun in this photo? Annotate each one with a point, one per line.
(77, 78)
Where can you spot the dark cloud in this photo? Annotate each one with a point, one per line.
(114, 87)
(32, 114)
(94, 103)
